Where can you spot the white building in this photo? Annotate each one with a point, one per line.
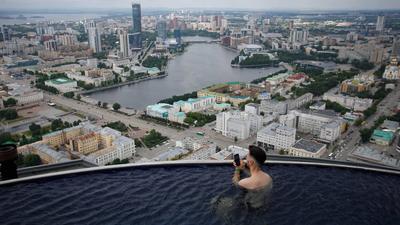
(273, 106)
(95, 77)
(23, 94)
(354, 103)
(203, 153)
(300, 101)
(392, 71)
(94, 37)
(27, 98)
(326, 127)
(124, 45)
(195, 104)
(62, 84)
(252, 108)
(228, 153)
(380, 23)
(276, 136)
(122, 148)
(307, 148)
(92, 62)
(238, 124)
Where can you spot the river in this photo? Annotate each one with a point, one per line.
(201, 65)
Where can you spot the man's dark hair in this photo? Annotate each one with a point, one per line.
(258, 154)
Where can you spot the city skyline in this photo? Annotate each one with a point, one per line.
(207, 4)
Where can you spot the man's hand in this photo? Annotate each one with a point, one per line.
(241, 166)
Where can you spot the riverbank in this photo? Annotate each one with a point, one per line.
(121, 84)
(200, 65)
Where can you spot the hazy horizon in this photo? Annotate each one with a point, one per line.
(204, 4)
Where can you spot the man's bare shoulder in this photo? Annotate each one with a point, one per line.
(245, 183)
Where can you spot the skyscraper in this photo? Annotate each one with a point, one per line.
(94, 37)
(5, 33)
(123, 42)
(380, 23)
(135, 39)
(178, 36)
(162, 30)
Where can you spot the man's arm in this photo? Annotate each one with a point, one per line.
(236, 176)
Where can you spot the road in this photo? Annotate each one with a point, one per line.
(352, 136)
(111, 116)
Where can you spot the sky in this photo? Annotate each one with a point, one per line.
(208, 4)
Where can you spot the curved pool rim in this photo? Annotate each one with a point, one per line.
(282, 160)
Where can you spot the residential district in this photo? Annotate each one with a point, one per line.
(335, 95)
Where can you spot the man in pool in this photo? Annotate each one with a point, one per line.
(259, 184)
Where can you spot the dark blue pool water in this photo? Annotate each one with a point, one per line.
(182, 195)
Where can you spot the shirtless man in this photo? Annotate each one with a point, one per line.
(258, 179)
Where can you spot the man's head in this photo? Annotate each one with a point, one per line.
(256, 156)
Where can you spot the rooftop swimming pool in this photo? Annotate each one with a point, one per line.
(186, 193)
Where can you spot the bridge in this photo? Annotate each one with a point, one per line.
(201, 41)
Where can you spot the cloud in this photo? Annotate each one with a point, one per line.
(248, 4)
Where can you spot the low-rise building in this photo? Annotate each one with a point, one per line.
(195, 104)
(23, 94)
(96, 144)
(359, 83)
(389, 125)
(364, 153)
(381, 137)
(159, 110)
(354, 103)
(307, 148)
(228, 153)
(62, 84)
(318, 106)
(276, 136)
(273, 106)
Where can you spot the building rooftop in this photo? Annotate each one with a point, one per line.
(308, 145)
(171, 154)
(57, 156)
(274, 127)
(390, 125)
(61, 81)
(372, 155)
(385, 135)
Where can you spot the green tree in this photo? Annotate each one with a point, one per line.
(57, 125)
(32, 160)
(10, 102)
(6, 137)
(116, 106)
(35, 129)
(8, 114)
(69, 94)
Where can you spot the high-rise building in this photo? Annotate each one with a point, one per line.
(94, 36)
(380, 23)
(135, 39)
(297, 35)
(162, 30)
(395, 48)
(178, 36)
(123, 43)
(5, 33)
(291, 25)
(50, 45)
